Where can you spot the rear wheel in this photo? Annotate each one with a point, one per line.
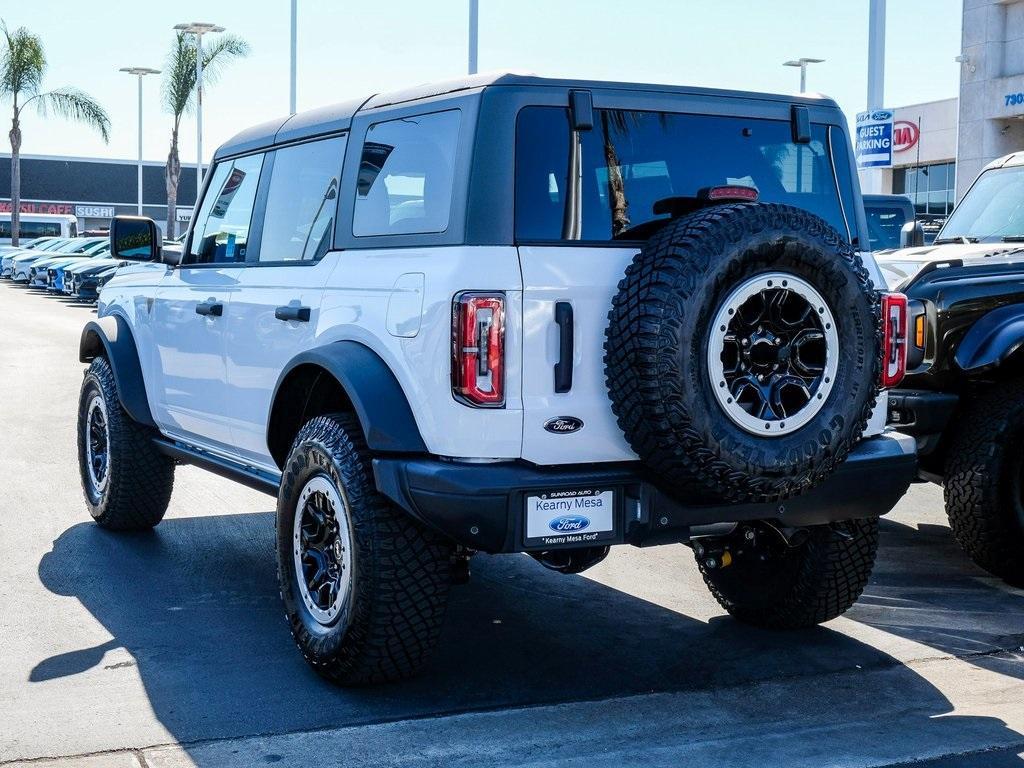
(765, 579)
(364, 585)
(126, 480)
(984, 481)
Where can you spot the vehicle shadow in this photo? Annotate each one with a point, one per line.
(195, 603)
(925, 589)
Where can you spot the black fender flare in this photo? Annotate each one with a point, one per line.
(991, 340)
(111, 336)
(376, 396)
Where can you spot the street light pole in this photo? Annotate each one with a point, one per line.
(140, 72)
(291, 95)
(474, 23)
(802, 62)
(199, 28)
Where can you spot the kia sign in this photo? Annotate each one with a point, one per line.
(874, 139)
(905, 135)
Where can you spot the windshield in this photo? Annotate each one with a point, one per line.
(992, 211)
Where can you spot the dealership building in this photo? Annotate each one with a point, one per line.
(959, 137)
(94, 190)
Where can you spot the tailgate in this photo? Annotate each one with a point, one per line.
(586, 279)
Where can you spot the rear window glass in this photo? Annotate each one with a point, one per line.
(884, 225)
(633, 159)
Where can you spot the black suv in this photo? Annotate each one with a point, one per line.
(963, 397)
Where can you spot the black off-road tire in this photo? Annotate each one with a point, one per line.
(139, 478)
(984, 481)
(802, 586)
(657, 340)
(401, 575)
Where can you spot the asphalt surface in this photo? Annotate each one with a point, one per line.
(170, 648)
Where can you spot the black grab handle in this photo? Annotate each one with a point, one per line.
(292, 312)
(210, 308)
(563, 368)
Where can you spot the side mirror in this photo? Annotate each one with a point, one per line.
(134, 238)
(912, 235)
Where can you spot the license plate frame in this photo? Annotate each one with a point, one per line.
(552, 518)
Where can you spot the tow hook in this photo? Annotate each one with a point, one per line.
(716, 556)
(723, 560)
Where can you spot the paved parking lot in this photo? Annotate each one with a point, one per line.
(170, 648)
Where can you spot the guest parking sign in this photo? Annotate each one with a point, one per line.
(874, 139)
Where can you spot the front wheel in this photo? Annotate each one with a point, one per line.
(764, 579)
(126, 480)
(984, 481)
(364, 586)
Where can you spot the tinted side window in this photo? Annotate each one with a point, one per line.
(301, 201)
(221, 230)
(406, 172)
(32, 229)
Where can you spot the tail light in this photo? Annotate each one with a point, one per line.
(895, 330)
(478, 349)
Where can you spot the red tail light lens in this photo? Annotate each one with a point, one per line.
(478, 349)
(895, 330)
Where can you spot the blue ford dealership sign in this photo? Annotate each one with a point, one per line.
(874, 139)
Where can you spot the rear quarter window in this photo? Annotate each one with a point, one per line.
(406, 175)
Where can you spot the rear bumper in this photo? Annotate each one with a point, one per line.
(482, 506)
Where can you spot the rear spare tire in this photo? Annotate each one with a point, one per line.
(742, 353)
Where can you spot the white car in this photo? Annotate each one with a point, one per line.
(26, 255)
(510, 314)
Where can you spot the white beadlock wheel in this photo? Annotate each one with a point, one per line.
(773, 353)
(322, 550)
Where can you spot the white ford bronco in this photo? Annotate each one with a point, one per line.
(513, 314)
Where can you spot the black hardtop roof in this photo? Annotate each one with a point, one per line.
(338, 117)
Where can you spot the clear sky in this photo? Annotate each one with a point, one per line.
(350, 48)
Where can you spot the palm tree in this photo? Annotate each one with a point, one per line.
(22, 66)
(179, 97)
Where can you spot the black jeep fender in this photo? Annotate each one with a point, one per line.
(370, 388)
(992, 340)
(112, 338)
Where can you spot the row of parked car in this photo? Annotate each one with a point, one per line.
(71, 266)
(76, 267)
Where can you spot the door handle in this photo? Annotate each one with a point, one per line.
(214, 308)
(292, 312)
(563, 368)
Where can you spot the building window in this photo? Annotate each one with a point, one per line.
(930, 187)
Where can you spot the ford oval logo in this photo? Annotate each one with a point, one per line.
(881, 115)
(569, 524)
(563, 425)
